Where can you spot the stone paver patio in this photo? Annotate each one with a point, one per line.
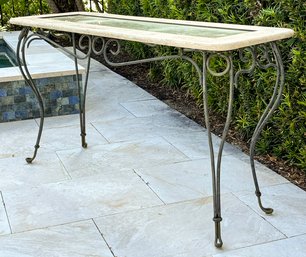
(141, 189)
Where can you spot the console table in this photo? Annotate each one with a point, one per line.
(100, 34)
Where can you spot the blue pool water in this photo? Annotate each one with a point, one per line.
(7, 57)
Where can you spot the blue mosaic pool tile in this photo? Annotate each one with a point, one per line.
(75, 111)
(7, 116)
(25, 90)
(22, 114)
(75, 77)
(3, 92)
(48, 110)
(17, 100)
(73, 99)
(10, 91)
(43, 81)
(67, 92)
(56, 94)
(63, 101)
(4, 101)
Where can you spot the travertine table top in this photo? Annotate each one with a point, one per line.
(178, 33)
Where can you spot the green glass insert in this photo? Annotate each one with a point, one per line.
(177, 29)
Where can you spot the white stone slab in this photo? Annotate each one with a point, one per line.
(108, 86)
(106, 91)
(100, 111)
(127, 155)
(192, 179)
(79, 199)
(60, 138)
(95, 111)
(60, 121)
(187, 255)
(288, 202)
(184, 228)
(80, 239)
(40, 59)
(290, 247)
(40, 47)
(195, 144)
(142, 128)
(4, 224)
(17, 138)
(179, 181)
(147, 108)
(16, 173)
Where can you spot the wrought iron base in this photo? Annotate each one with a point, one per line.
(259, 56)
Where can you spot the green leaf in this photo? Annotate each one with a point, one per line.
(3, 2)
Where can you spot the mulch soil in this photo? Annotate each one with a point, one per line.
(186, 104)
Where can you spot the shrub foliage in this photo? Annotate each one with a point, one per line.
(14, 8)
(285, 134)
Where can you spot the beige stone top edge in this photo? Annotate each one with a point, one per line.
(13, 74)
(258, 35)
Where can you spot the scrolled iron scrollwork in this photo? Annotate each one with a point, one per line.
(91, 44)
(249, 60)
(115, 43)
(85, 43)
(258, 56)
(263, 57)
(42, 35)
(95, 44)
(218, 73)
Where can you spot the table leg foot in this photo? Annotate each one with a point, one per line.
(31, 159)
(257, 190)
(84, 144)
(264, 209)
(218, 240)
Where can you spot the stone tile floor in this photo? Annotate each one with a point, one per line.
(141, 189)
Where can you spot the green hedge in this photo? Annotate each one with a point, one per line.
(18, 8)
(286, 132)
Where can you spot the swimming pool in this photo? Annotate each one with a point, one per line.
(52, 71)
(7, 56)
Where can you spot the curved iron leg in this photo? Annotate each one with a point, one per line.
(82, 95)
(216, 172)
(22, 41)
(274, 102)
(216, 204)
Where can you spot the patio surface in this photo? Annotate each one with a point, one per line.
(141, 189)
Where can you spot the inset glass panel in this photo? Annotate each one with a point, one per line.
(162, 27)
